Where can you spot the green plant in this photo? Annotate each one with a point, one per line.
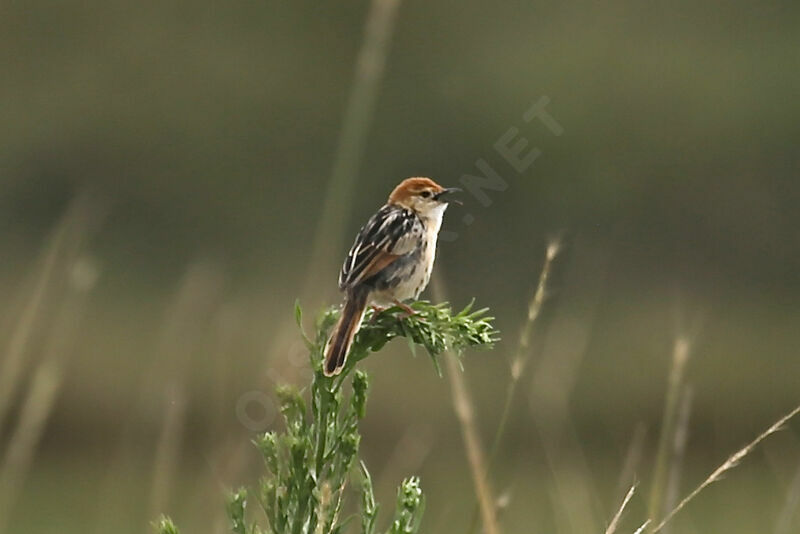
(309, 462)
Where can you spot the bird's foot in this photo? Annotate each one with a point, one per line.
(406, 308)
(376, 310)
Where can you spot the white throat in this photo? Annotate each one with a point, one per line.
(433, 219)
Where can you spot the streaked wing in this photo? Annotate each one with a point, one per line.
(379, 243)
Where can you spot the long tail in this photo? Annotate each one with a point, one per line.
(339, 343)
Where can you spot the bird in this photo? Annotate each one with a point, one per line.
(390, 261)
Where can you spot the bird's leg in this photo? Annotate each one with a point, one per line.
(375, 311)
(406, 308)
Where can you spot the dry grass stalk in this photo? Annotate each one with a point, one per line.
(185, 322)
(360, 107)
(534, 310)
(680, 356)
(522, 355)
(462, 405)
(36, 408)
(729, 464)
(61, 250)
(168, 448)
(574, 498)
(680, 438)
(45, 384)
(633, 458)
(475, 456)
(521, 358)
(789, 510)
(612, 527)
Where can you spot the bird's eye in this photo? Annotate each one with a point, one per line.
(426, 194)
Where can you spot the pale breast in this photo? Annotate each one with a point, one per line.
(413, 273)
(421, 274)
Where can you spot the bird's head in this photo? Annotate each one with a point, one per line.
(422, 195)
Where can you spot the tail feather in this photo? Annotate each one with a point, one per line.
(342, 338)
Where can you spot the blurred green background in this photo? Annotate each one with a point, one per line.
(163, 170)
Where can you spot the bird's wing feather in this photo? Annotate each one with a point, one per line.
(379, 243)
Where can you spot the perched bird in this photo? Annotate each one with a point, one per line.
(390, 261)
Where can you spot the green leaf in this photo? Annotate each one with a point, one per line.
(293, 407)
(164, 525)
(298, 314)
(409, 339)
(369, 508)
(298, 317)
(410, 507)
(360, 387)
(267, 443)
(237, 503)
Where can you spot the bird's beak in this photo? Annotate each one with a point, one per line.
(446, 192)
